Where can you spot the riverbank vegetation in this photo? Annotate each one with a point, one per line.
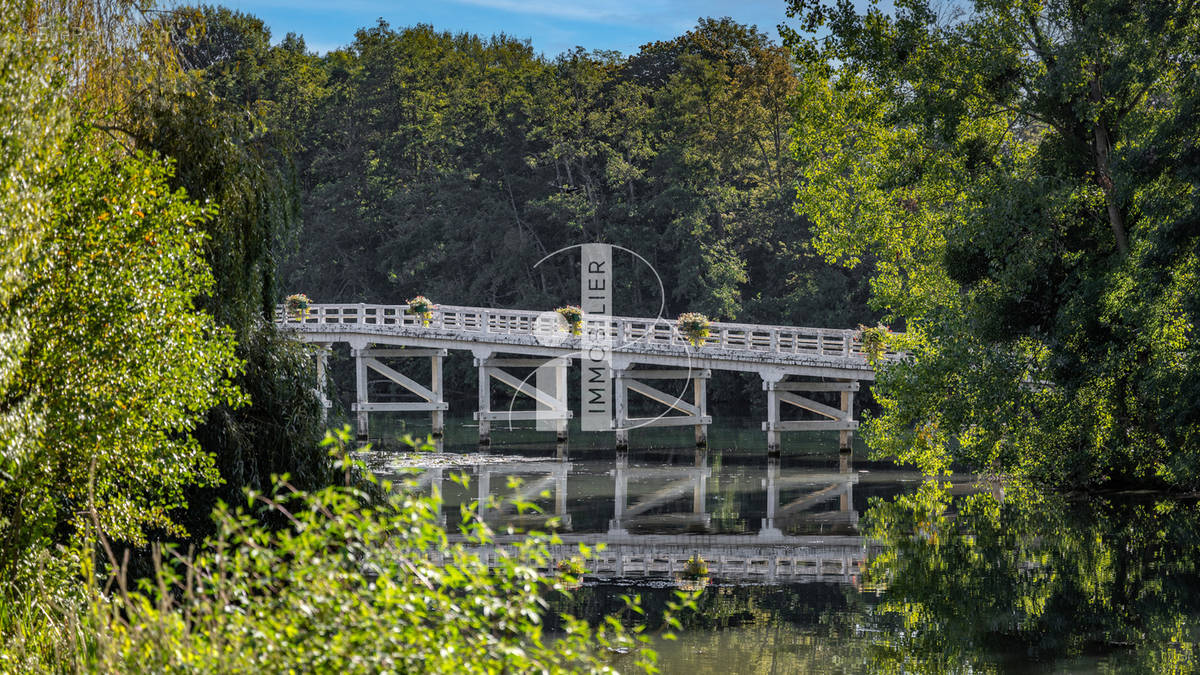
(1024, 178)
(143, 388)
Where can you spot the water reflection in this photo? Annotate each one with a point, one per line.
(822, 565)
(752, 519)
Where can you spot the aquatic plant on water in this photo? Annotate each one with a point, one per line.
(422, 307)
(694, 326)
(297, 305)
(573, 316)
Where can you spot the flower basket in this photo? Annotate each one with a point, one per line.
(574, 318)
(422, 307)
(571, 566)
(874, 341)
(296, 306)
(695, 568)
(571, 571)
(694, 575)
(694, 326)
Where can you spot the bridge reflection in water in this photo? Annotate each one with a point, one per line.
(761, 521)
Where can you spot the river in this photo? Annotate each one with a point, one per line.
(821, 561)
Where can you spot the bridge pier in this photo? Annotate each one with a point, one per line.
(322, 359)
(840, 419)
(367, 358)
(549, 393)
(694, 414)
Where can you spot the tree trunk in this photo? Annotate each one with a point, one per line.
(1102, 146)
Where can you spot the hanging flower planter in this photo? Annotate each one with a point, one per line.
(296, 306)
(874, 341)
(574, 318)
(571, 571)
(694, 326)
(422, 307)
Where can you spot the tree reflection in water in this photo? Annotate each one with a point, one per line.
(986, 581)
(953, 578)
(965, 583)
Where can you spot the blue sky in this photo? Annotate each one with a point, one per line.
(552, 27)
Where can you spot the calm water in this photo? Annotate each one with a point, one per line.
(824, 562)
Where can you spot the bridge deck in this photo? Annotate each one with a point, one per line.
(819, 352)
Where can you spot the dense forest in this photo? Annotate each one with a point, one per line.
(424, 162)
(1025, 179)
(429, 162)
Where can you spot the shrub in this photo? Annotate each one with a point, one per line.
(362, 579)
(695, 568)
(874, 341)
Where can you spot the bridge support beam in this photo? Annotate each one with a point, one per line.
(322, 358)
(694, 414)
(846, 436)
(368, 359)
(549, 393)
(840, 419)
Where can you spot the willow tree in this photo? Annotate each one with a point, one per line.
(1022, 174)
(107, 364)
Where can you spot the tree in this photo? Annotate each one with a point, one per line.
(213, 119)
(994, 165)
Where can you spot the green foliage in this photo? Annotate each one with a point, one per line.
(471, 149)
(210, 119)
(1037, 574)
(33, 122)
(120, 364)
(352, 583)
(1017, 176)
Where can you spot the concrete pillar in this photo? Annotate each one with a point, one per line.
(560, 393)
(700, 391)
(485, 402)
(620, 494)
(322, 377)
(437, 417)
(768, 523)
(621, 392)
(484, 489)
(773, 433)
(360, 378)
(700, 489)
(846, 438)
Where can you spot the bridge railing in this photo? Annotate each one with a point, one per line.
(627, 331)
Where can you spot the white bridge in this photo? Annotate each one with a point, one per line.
(791, 361)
